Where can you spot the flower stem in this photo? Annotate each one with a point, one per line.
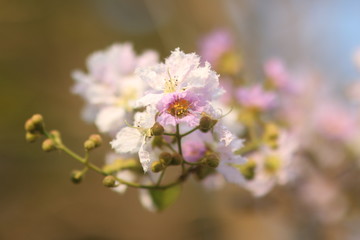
(61, 146)
(187, 133)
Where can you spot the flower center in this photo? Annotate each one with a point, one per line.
(179, 108)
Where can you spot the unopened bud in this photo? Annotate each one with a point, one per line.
(96, 138)
(165, 158)
(48, 145)
(271, 132)
(30, 137)
(212, 160)
(55, 133)
(248, 169)
(29, 125)
(76, 176)
(176, 159)
(157, 142)
(89, 145)
(109, 181)
(37, 119)
(206, 123)
(157, 129)
(157, 166)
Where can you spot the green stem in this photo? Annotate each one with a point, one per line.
(161, 177)
(92, 166)
(178, 139)
(187, 133)
(169, 134)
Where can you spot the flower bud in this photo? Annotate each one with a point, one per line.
(157, 129)
(157, 166)
(48, 145)
(248, 170)
(165, 158)
(30, 137)
(109, 181)
(157, 142)
(76, 176)
(55, 133)
(37, 119)
(29, 125)
(212, 160)
(206, 123)
(38, 122)
(176, 159)
(96, 138)
(89, 145)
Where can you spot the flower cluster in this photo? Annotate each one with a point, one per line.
(192, 116)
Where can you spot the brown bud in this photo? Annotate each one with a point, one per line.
(206, 123)
(212, 160)
(165, 158)
(157, 166)
(176, 159)
(157, 129)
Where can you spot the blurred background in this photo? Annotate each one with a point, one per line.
(42, 42)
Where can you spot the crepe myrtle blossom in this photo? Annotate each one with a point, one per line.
(271, 166)
(179, 73)
(110, 86)
(137, 138)
(276, 73)
(255, 98)
(223, 145)
(214, 45)
(334, 121)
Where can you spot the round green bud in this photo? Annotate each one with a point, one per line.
(212, 160)
(30, 137)
(176, 159)
(96, 138)
(76, 176)
(165, 158)
(157, 166)
(48, 145)
(29, 125)
(157, 129)
(89, 145)
(109, 181)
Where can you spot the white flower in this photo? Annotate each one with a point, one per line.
(273, 166)
(137, 138)
(110, 87)
(227, 147)
(180, 72)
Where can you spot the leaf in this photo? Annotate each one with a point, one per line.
(163, 198)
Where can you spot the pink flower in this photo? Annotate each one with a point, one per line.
(214, 45)
(193, 150)
(276, 72)
(255, 97)
(183, 107)
(335, 122)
